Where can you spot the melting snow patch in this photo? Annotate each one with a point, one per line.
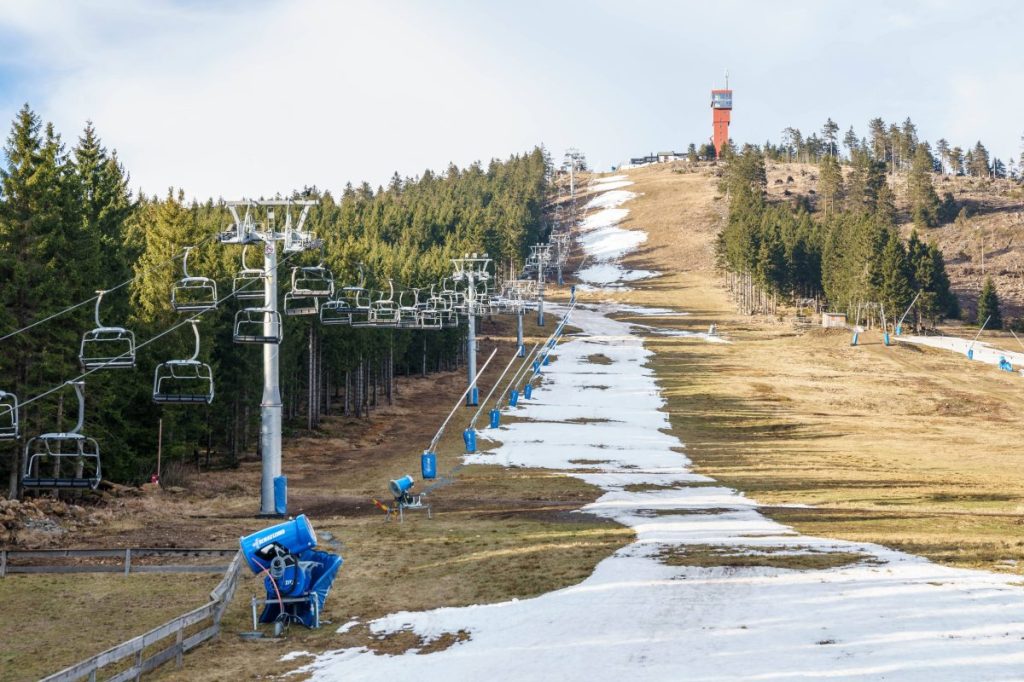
(292, 655)
(348, 626)
(641, 617)
(983, 352)
(612, 199)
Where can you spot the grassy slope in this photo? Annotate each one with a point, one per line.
(911, 448)
(52, 621)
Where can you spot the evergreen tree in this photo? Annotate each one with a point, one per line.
(942, 148)
(830, 182)
(988, 306)
(830, 135)
(978, 166)
(896, 289)
(924, 201)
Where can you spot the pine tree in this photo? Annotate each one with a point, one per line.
(988, 306)
(850, 141)
(896, 288)
(942, 148)
(830, 182)
(830, 135)
(978, 165)
(924, 201)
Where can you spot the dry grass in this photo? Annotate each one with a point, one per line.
(791, 558)
(52, 621)
(911, 448)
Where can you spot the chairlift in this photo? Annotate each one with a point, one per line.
(245, 285)
(8, 416)
(384, 312)
(295, 237)
(106, 347)
(257, 325)
(190, 381)
(300, 304)
(74, 459)
(193, 294)
(316, 281)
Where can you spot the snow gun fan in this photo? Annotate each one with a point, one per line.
(401, 490)
(296, 576)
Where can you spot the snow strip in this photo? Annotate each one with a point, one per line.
(892, 616)
(983, 352)
(605, 243)
(610, 178)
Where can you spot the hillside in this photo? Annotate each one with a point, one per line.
(994, 217)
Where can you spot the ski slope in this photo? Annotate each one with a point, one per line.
(885, 615)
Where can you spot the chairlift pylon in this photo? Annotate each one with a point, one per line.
(106, 347)
(8, 416)
(190, 381)
(257, 325)
(193, 294)
(75, 458)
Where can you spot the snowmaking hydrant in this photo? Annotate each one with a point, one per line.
(297, 577)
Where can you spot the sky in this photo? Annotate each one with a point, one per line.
(251, 98)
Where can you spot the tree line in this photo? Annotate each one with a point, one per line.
(850, 254)
(71, 225)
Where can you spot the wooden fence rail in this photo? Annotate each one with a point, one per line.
(11, 561)
(209, 614)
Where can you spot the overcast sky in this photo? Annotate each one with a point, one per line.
(247, 98)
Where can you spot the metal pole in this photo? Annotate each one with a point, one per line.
(444, 424)
(540, 290)
(472, 396)
(270, 406)
(520, 345)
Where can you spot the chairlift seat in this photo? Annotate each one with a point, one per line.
(177, 382)
(300, 304)
(243, 285)
(67, 451)
(250, 328)
(194, 294)
(8, 416)
(312, 281)
(107, 348)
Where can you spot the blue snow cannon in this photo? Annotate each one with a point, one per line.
(528, 392)
(547, 359)
(536, 367)
(854, 342)
(970, 353)
(469, 437)
(885, 338)
(495, 418)
(513, 398)
(400, 486)
(296, 576)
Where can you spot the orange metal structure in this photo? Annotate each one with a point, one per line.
(721, 108)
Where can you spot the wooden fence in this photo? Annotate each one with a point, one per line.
(134, 651)
(126, 560)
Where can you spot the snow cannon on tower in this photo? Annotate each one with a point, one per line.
(297, 577)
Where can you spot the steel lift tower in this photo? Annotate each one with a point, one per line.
(471, 269)
(269, 231)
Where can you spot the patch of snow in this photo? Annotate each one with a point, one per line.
(649, 311)
(895, 616)
(612, 199)
(348, 626)
(610, 178)
(683, 333)
(608, 217)
(292, 655)
(983, 352)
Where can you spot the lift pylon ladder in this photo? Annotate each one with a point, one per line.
(193, 294)
(73, 460)
(106, 347)
(8, 416)
(189, 382)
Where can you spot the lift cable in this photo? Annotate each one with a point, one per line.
(87, 301)
(148, 341)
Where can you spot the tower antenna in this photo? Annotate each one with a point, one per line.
(727, 79)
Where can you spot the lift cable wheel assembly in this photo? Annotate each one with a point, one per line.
(106, 347)
(74, 458)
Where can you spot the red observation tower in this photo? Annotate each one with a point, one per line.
(721, 109)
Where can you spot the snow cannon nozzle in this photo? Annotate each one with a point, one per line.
(400, 486)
